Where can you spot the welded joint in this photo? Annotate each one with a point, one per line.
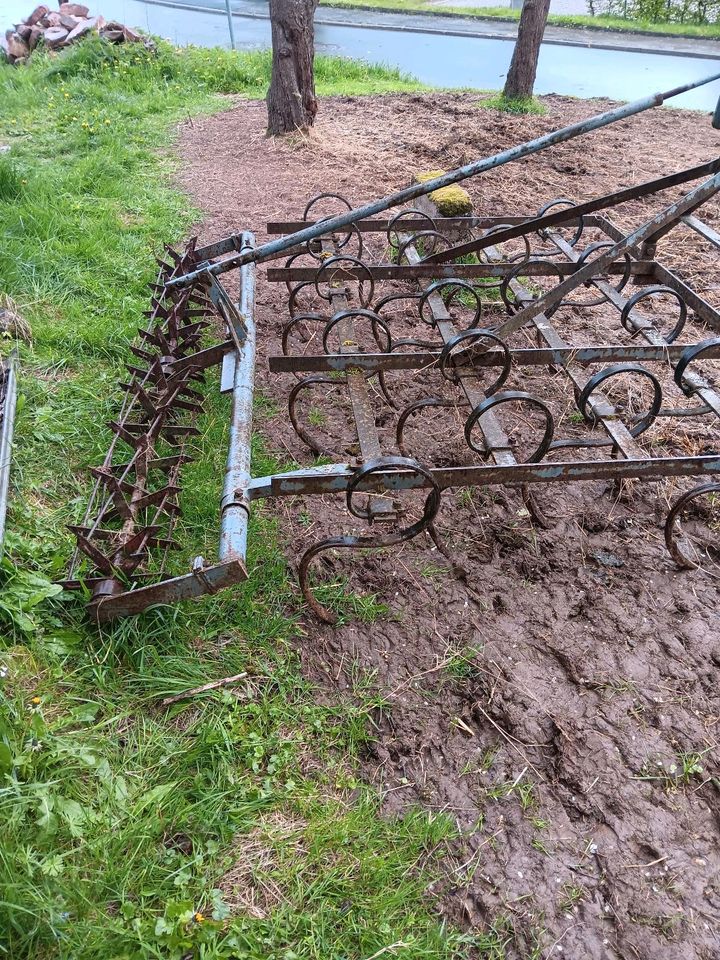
(198, 571)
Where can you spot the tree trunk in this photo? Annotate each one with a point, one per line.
(523, 66)
(291, 99)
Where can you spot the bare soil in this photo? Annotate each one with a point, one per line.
(553, 688)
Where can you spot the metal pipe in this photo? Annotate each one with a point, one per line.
(274, 247)
(6, 437)
(235, 508)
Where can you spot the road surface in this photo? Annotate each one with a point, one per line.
(459, 56)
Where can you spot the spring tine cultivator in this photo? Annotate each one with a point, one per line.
(348, 310)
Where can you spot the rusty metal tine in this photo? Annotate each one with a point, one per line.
(496, 440)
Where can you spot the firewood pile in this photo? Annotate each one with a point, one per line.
(54, 29)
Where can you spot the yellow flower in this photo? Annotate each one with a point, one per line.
(198, 917)
(35, 700)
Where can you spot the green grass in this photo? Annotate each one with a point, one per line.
(119, 818)
(518, 106)
(602, 22)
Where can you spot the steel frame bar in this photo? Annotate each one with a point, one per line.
(712, 236)
(235, 510)
(187, 586)
(422, 270)
(411, 225)
(335, 478)
(8, 400)
(521, 356)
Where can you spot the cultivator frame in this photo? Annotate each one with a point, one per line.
(135, 501)
(8, 399)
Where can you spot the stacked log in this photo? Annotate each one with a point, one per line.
(54, 29)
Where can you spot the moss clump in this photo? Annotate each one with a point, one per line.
(451, 201)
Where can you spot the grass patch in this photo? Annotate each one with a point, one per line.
(123, 822)
(601, 22)
(518, 106)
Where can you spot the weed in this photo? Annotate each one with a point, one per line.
(570, 896)
(317, 418)
(521, 788)
(679, 774)
(465, 496)
(461, 663)
(431, 570)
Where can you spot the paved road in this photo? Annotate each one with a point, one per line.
(450, 53)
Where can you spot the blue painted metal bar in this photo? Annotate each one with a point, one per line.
(275, 247)
(334, 478)
(235, 507)
(7, 421)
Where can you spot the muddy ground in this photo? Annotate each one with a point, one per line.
(560, 698)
